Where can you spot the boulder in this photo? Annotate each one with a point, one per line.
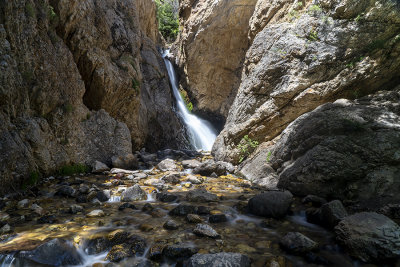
(66, 191)
(369, 236)
(206, 231)
(74, 209)
(171, 225)
(332, 212)
(217, 167)
(222, 259)
(166, 197)
(179, 252)
(194, 179)
(172, 178)
(167, 165)
(127, 206)
(96, 214)
(133, 193)
(99, 167)
(56, 252)
(190, 163)
(201, 195)
(298, 243)
(273, 204)
(23, 204)
(128, 162)
(183, 210)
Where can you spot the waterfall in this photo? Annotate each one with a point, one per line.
(201, 133)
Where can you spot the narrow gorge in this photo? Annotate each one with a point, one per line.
(222, 133)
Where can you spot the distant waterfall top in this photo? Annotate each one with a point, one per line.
(201, 133)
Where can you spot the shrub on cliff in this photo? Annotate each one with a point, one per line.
(167, 16)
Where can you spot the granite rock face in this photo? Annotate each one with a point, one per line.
(304, 55)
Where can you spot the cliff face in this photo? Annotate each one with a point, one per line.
(304, 54)
(61, 59)
(210, 52)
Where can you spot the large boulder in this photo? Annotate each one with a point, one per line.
(218, 167)
(56, 252)
(219, 260)
(133, 193)
(332, 212)
(273, 204)
(127, 162)
(369, 236)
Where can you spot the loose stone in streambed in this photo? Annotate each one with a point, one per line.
(218, 260)
(171, 225)
(296, 242)
(133, 193)
(179, 252)
(167, 165)
(166, 197)
(96, 214)
(273, 204)
(201, 195)
(206, 231)
(193, 218)
(217, 218)
(127, 206)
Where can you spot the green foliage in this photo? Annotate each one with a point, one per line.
(314, 9)
(294, 14)
(32, 180)
(50, 13)
(352, 63)
(168, 22)
(73, 169)
(313, 36)
(68, 108)
(246, 146)
(136, 85)
(269, 156)
(30, 10)
(359, 17)
(186, 99)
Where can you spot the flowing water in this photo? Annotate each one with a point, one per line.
(202, 134)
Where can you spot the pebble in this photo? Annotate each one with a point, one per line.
(96, 214)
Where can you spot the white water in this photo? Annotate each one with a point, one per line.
(201, 133)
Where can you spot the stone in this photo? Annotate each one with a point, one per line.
(74, 209)
(167, 165)
(206, 231)
(119, 252)
(273, 204)
(5, 229)
(66, 191)
(313, 200)
(99, 167)
(332, 212)
(118, 236)
(298, 243)
(166, 197)
(217, 167)
(147, 207)
(127, 206)
(122, 171)
(190, 163)
(96, 214)
(127, 162)
(179, 252)
(222, 259)
(172, 178)
(194, 179)
(84, 189)
(217, 218)
(145, 227)
(37, 209)
(201, 195)
(171, 225)
(56, 252)
(369, 236)
(133, 193)
(23, 204)
(103, 196)
(47, 219)
(193, 218)
(183, 210)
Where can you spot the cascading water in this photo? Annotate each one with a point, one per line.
(202, 134)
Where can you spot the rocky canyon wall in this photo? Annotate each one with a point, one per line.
(78, 81)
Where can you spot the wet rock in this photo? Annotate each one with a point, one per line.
(201, 195)
(48, 219)
(391, 210)
(166, 197)
(179, 252)
(298, 243)
(118, 236)
(37, 209)
(120, 252)
(332, 213)
(313, 215)
(56, 252)
(140, 175)
(369, 236)
(313, 200)
(99, 167)
(74, 209)
(81, 199)
(4, 217)
(97, 245)
(203, 210)
(245, 249)
(146, 157)
(190, 163)
(121, 172)
(167, 165)
(133, 193)
(84, 189)
(219, 260)
(137, 243)
(5, 229)
(273, 204)
(147, 207)
(193, 218)
(92, 194)
(65, 191)
(103, 196)
(155, 252)
(171, 225)
(214, 175)
(183, 210)
(206, 231)
(218, 218)
(127, 206)
(145, 227)
(23, 204)
(194, 179)
(217, 167)
(128, 162)
(96, 214)
(172, 178)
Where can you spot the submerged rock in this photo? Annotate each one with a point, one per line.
(171, 225)
(56, 252)
(369, 236)
(179, 252)
(296, 242)
(217, 218)
(127, 206)
(166, 197)
(219, 260)
(206, 231)
(133, 193)
(120, 252)
(274, 204)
